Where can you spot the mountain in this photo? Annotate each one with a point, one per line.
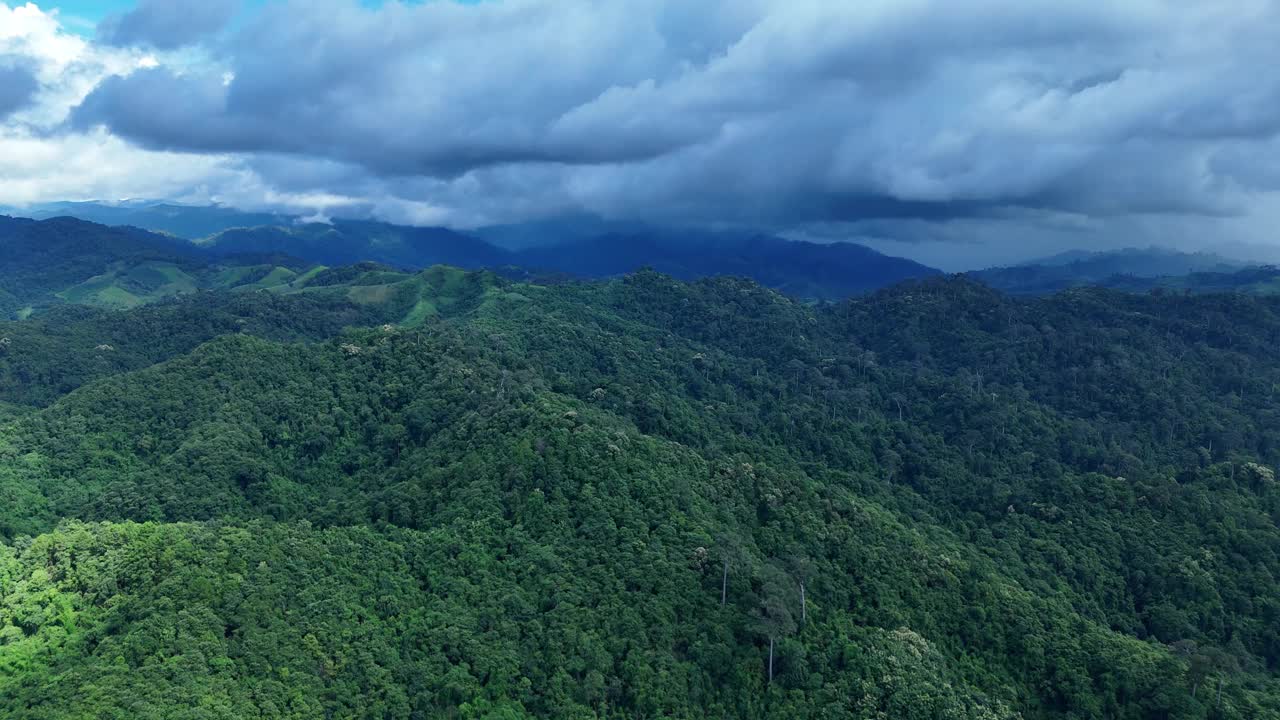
(65, 260)
(1080, 268)
(581, 246)
(640, 497)
(801, 269)
(1151, 261)
(351, 241)
(563, 230)
(185, 221)
(1257, 280)
(42, 258)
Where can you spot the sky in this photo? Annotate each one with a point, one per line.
(962, 134)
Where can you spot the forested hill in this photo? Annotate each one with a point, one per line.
(830, 271)
(45, 257)
(68, 261)
(466, 497)
(139, 272)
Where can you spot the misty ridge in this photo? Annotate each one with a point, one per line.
(587, 247)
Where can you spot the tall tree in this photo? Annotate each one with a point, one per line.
(773, 617)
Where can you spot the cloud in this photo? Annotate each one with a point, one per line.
(168, 24)
(920, 119)
(65, 66)
(43, 162)
(98, 166)
(761, 111)
(436, 89)
(18, 87)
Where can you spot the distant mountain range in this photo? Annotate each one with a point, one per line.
(167, 251)
(578, 246)
(1128, 267)
(351, 241)
(800, 269)
(185, 221)
(1252, 280)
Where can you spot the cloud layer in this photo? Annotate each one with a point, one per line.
(18, 87)
(168, 24)
(892, 119)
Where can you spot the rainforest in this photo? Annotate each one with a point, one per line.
(450, 494)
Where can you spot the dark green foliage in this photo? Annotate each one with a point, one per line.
(67, 261)
(525, 506)
(41, 258)
(57, 351)
(348, 274)
(1261, 280)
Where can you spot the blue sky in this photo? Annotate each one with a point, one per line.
(92, 11)
(81, 16)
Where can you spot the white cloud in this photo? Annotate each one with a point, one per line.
(97, 166)
(42, 161)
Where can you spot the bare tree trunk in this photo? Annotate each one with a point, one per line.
(1219, 692)
(1194, 688)
(803, 614)
(724, 584)
(770, 659)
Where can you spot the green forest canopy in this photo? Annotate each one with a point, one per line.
(466, 497)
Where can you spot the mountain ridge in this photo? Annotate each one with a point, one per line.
(1077, 268)
(816, 271)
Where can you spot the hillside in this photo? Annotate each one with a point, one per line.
(621, 499)
(1257, 280)
(67, 261)
(1129, 268)
(44, 258)
(800, 269)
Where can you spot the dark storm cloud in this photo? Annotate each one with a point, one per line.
(18, 86)
(168, 24)
(755, 111)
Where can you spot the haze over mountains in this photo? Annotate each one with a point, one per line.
(181, 220)
(579, 246)
(1130, 267)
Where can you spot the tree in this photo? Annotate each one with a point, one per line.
(773, 616)
(733, 554)
(800, 568)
